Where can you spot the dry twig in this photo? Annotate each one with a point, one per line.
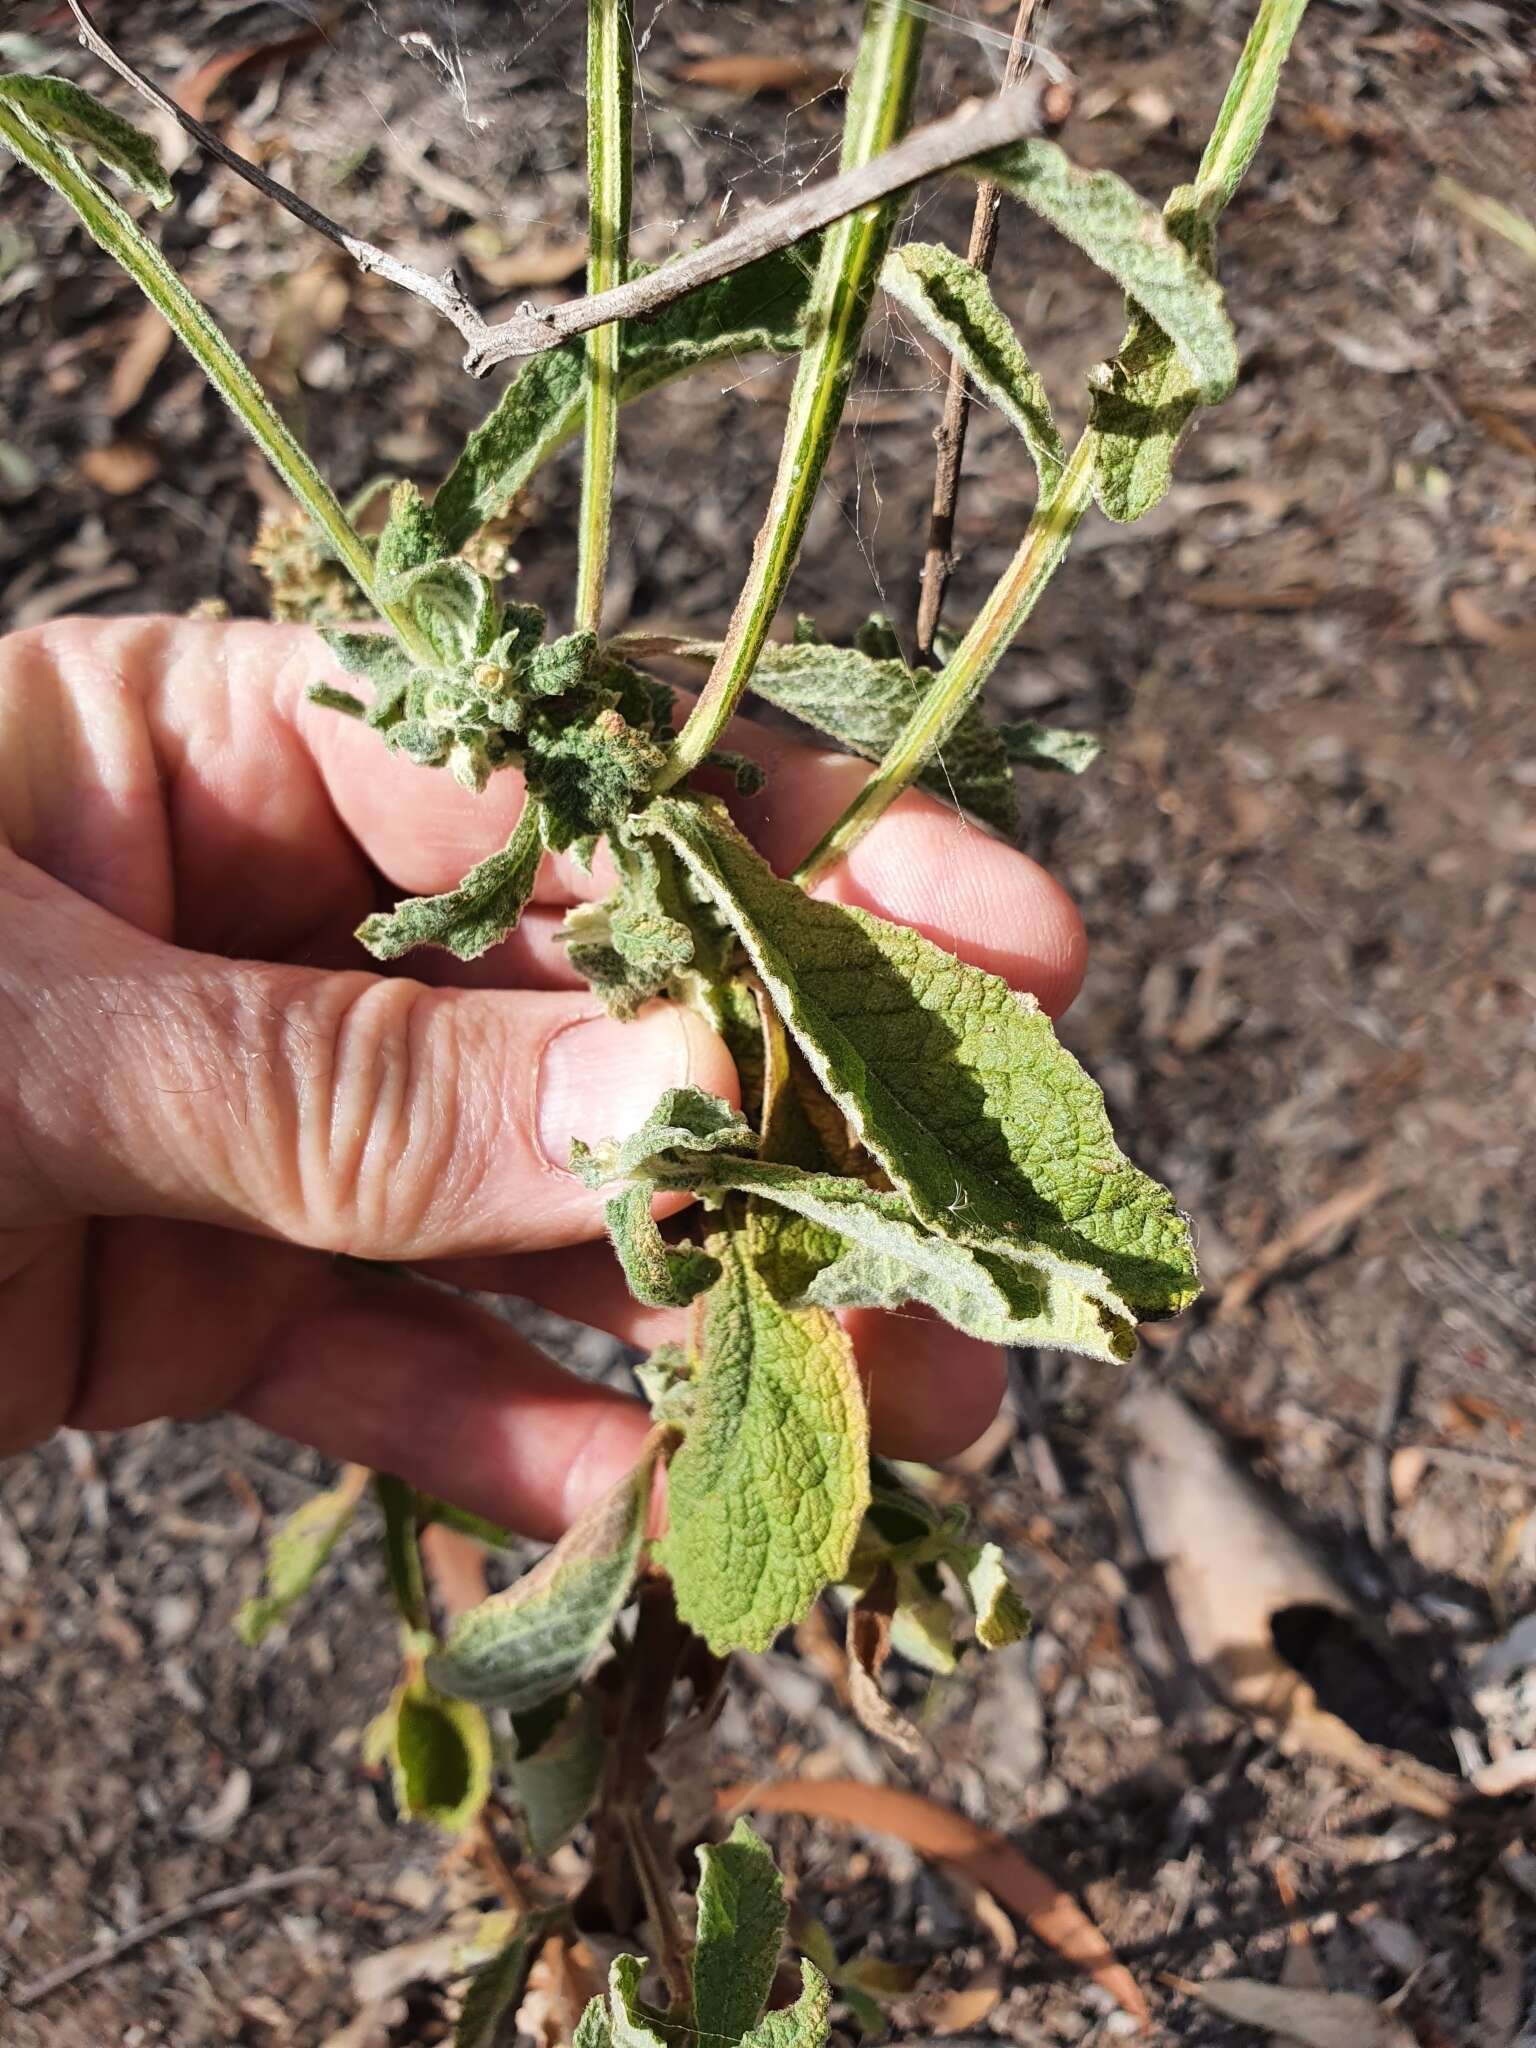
(165, 1923)
(949, 436)
(939, 147)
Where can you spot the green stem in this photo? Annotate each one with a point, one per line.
(610, 108)
(1249, 101)
(1045, 543)
(879, 108)
(126, 243)
(1239, 127)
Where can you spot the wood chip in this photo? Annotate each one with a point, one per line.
(121, 468)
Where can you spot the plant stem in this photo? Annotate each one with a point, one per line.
(610, 108)
(125, 242)
(879, 107)
(1249, 100)
(1046, 540)
(1239, 127)
(939, 562)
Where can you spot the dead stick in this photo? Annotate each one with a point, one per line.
(939, 561)
(164, 1923)
(940, 146)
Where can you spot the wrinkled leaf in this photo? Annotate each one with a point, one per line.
(478, 914)
(297, 1552)
(1055, 748)
(685, 1120)
(1122, 234)
(440, 1756)
(860, 1247)
(758, 307)
(767, 1491)
(632, 2022)
(60, 111)
(494, 1994)
(955, 1083)
(869, 1648)
(865, 702)
(1001, 1616)
(593, 2029)
(806, 2024)
(555, 1774)
(659, 1274)
(523, 1646)
(742, 1915)
(1146, 396)
(953, 301)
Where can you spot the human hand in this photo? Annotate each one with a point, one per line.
(203, 1093)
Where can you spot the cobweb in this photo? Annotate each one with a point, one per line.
(482, 105)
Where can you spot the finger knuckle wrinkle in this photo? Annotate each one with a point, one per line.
(380, 1160)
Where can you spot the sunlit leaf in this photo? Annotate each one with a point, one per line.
(742, 1915)
(61, 111)
(767, 1491)
(953, 301)
(468, 920)
(954, 1082)
(297, 1552)
(524, 1646)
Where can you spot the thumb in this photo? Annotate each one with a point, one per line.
(350, 1112)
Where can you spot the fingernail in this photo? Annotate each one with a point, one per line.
(600, 1079)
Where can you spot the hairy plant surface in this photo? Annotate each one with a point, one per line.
(913, 1131)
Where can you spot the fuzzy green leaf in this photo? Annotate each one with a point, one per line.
(1143, 399)
(593, 2029)
(956, 1084)
(494, 1995)
(440, 1754)
(478, 914)
(631, 2021)
(865, 1249)
(768, 1488)
(806, 2024)
(522, 1647)
(756, 308)
(953, 301)
(865, 702)
(631, 945)
(659, 1274)
(297, 1552)
(555, 1775)
(742, 1916)
(1001, 1616)
(1122, 234)
(854, 1246)
(62, 112)
(1058, 749)
(685, 1120)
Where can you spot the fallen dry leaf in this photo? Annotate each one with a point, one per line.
(193, 92)
(1475, 623)
(752, 75)
(1316, 2019)
(1325, 1220)
(956, 2012)
(121, 468)
(981, 1854)
(137, 361)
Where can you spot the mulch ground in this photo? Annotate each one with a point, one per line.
(1307, 862)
